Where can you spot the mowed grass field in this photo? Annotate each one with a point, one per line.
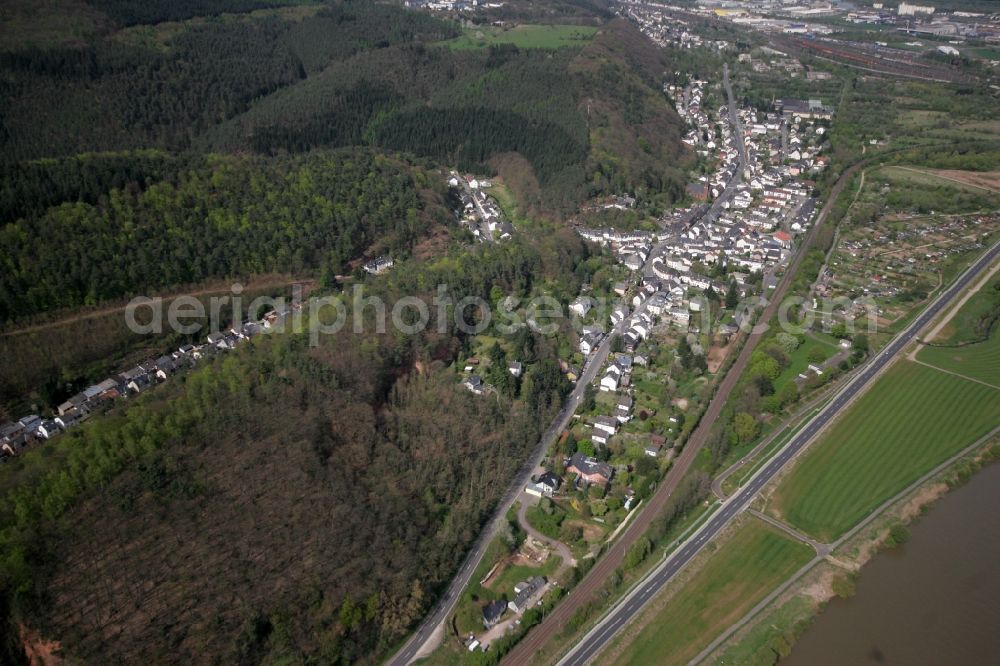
(980, 360)
(734, 579)
(526, 36)
(912, 419)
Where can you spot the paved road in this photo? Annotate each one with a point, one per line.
(524, 652)
(585, 651)
(446, 605)
(595, 362)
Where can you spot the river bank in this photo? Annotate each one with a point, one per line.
(931, 600)
(774, 633)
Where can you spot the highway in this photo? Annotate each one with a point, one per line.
(589, 647)
(525, 651)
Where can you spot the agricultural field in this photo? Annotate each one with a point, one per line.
(912, 419)
(976, 182)
(736, 577)
(524, 36)
(988, 181)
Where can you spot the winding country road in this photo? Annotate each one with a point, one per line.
(588, 648)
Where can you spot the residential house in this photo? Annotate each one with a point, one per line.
(515, 368)
(633, 262)
(623, 362)
(523, 593)
(140, 383)
(624, 410)
(475, 384)
(589, 469)
(606, 424)
(70, 418)
(30, 423)
(166, 365)
(78, 401)
(589, 342)
(9, 431)
(610, 381)
(581, 306)
(544, 486)
(550, 481)
(106, 387)
(618, 314)
(493, 612)
(48, 429)
(379, 265)
(698, 191)
(631, 340)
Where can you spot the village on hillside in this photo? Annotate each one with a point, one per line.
(98, 398)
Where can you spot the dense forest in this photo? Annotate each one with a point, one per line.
(325, 493)
(121, 93)
(283, 503)
(231, 217)
(589, 120)
(30, 188)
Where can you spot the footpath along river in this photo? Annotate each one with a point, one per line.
(935, 600)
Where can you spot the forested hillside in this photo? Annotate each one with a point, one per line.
(285, 502)
(123, 92)
(230, 217)
(282, 503)
(589, 119)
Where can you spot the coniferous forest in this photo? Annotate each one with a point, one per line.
(284, 502)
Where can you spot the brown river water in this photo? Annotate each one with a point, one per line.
(934, 600)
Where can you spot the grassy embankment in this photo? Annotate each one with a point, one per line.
(754, 560)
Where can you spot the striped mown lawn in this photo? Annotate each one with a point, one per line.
(980, 360)
(911, 420)
(735, 578)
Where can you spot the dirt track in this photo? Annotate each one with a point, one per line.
(113, 309)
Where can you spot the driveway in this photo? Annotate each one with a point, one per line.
(562, 549)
